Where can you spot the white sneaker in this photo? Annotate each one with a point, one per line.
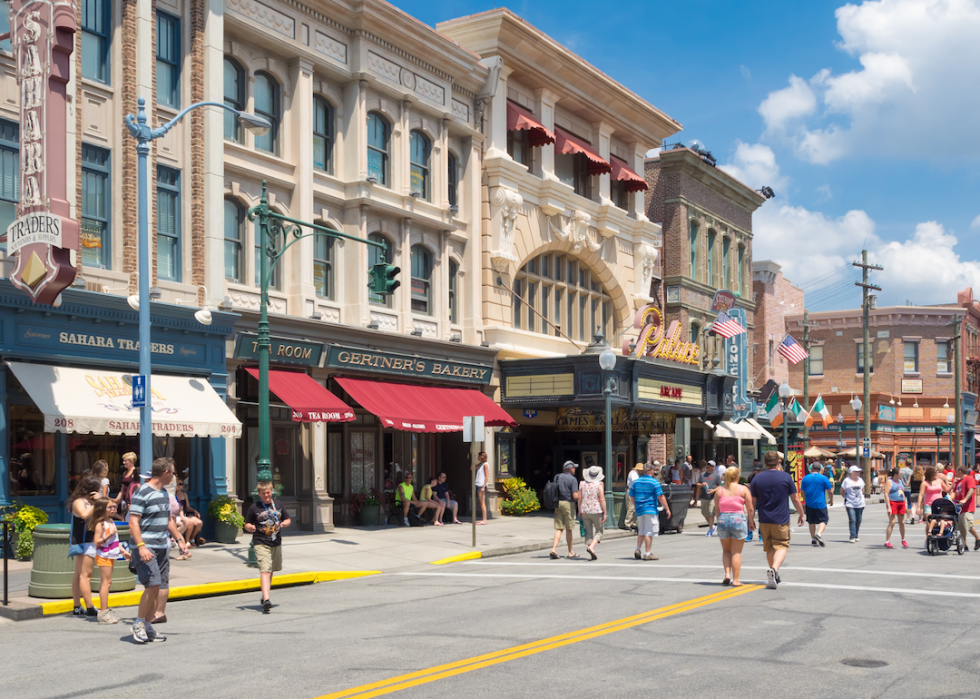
(637, 555)
(139, 632)
(405, 521)
(771, 579)
(856, 539)
(819, 539)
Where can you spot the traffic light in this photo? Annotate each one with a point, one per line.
(939, 431)
(383, 279)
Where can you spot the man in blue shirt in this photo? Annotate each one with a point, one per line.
(646, 493)
(771, 491)
(815, 487)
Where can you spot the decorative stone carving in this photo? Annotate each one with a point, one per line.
(430, 90)
(509, 203)
(461, 110)
(244, 299)
(428, 328)
(330, 315)
(383, 67)
(385, 321)
(331, 48)
(479, 106)
(407, 78)
(264, 15)
(577, 233)
(645, 259)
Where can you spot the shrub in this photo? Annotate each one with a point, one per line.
(24, 518)
(520, 500)
(225, 509)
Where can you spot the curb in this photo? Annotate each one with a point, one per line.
(20, 611)
(455, 559)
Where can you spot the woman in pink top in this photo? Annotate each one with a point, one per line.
(736, 516)
(932, 487)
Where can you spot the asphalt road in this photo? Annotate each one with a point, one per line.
(527, 626)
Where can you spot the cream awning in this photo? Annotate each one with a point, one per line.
(99, 401)
(766, 434)
(734, 430)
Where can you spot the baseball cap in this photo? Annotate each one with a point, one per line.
(711, 463)
(570, 464)
(854, 469)
(757, 467)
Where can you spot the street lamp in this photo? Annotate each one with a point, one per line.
(607, 362)
(950, 419)
(144, 134)
(840, 438)
(856, 406)
(784, 395)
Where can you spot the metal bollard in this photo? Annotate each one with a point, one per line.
(6, 543)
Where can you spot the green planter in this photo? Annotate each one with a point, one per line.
(369, 515)
(52, 570)
(225, 533)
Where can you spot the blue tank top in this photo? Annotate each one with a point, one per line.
(895, 492)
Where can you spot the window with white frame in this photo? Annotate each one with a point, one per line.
(694, 230)
(911, 364)
(9, 174)
(234, 96)
(323, 138)
(266, 100)
(323, 278)
(816, 360)
(557, 294)
(234, 238)
(168, 223)
(453, 291)
(421, 280)
(453, 180)
(860, 359)
(419, 154)
(379, 135)
(168, 60)
(943, 358)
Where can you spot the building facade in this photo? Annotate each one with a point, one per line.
(775, 298)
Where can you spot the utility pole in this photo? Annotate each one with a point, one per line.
(865, 287)
(806, 371)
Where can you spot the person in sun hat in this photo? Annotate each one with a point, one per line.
(592, 506)
(630, 504)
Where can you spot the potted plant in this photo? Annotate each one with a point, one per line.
(365, 507)
(520, 500)
(23, 519)
(227, 520)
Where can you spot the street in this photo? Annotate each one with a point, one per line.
(526, 626)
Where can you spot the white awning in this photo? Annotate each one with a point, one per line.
(99, 401)
(736, 430)
(766, 435)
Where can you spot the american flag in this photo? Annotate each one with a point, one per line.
(726, 326)
(791, 349)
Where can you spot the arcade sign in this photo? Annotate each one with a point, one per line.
(44, 236)
(654, 343)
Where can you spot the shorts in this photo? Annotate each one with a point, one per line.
(926, 510)
(707, 506)
(81, 550)
(648, 525)
(774, 536)
(269, 558)
(817, 515)
(156, 571)
(563, 516)
(965, 521)
(732, 525)
(897, 507)
(101, 562)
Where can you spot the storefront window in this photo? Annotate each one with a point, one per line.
(586, 306)
(32, 462)
(363, 451)
(284, 459)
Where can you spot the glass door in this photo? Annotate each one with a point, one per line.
(363, 457)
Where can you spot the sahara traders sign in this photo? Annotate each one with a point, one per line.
(406, 365)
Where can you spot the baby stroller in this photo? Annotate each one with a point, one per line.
(944, 510)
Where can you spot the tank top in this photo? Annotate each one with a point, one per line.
(80, 534)
(931, 493)
(589, 494)
(481, 474)
(915, 485)
(895, 492)
(110, 545)
(731, 503)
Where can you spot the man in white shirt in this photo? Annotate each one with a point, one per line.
(630, 504)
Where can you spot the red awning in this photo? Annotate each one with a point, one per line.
(424, 408)
(567, 143)
(621, 172)
(310, 402)
(519, 119)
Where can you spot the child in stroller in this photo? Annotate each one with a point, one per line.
(942, 533)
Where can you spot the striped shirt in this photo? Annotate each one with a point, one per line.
(152, 506)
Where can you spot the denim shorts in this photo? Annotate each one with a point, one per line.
(87, 549)
(732, 525)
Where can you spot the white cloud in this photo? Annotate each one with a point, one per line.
(926, 268)
(755, 165)
(746, 73)
(825, 191)
(788, 104)
(975, 223)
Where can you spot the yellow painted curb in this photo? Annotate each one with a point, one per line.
(131, 599)
(453, 559)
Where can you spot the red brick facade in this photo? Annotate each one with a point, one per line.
(775, 299)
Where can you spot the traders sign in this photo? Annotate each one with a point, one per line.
(44, 237)
(377, 361)
(653, 342)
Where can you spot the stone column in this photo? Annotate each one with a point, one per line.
(298, 265)
(213, 166)
(544, 106)
(637, 200)
(497, 119)
(470, 281)
(602, 132)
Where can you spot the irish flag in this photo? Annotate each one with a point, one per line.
(799, 414)
(773, 409)
(820, 409)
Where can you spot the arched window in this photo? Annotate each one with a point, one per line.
(421, 149)
(741, 269)
(267, 105)
(566, 294)
(726, 243)
(323, 123)
(421, 280)
(694, 250)
(323, 264)
(234, 235)
(453, 293)
(234, 98)
(711, 257)
(453, 180)
(377, 256)
(379, 133)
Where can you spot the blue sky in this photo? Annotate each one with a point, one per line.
(862, 117)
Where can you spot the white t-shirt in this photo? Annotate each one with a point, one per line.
(631, 478)
(853, 492)
(481, 474)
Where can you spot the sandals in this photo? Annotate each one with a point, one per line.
(201, 541)
(594, 557)
(726, 582)
(554, 556)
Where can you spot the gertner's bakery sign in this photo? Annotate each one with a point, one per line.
(44, 237)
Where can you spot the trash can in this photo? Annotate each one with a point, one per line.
(52, 570)
(678, 497)
(619, 509)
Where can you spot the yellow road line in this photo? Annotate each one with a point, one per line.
(459, 667)
(455, 559)
(130, 599)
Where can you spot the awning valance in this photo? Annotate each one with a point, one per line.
(424, 408)
(307, 399)
(736, 430)
(568, 143)
(766, 434)
(99, 401)
(621, 172)
(520, 119)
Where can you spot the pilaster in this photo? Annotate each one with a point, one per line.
(544, 104)
(298, 272)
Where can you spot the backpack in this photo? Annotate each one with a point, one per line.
(549, 497)
(414, 520)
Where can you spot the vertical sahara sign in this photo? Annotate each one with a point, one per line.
(44, 236)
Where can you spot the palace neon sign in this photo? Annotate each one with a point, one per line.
(655, 343)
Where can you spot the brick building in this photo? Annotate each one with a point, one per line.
(775, 298)
(912, 380)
